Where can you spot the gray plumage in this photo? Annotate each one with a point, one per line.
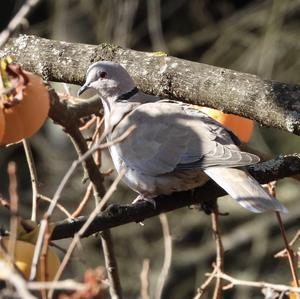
(175, 146)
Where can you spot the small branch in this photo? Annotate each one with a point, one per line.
(67, 284)
(17, 20)
(89, 123)
(167, 256)
(289, 251)
(111, 265)
(219, 252)
(295, 238)
(59, 206)
(38, 248)
(14, 200)
(207, 282)
(43, 262)
(155, 25)
(283, 253)
(83, 202)
(33, 177)
(144, 277)
(255, 284)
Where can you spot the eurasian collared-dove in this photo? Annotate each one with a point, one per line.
(174, 147)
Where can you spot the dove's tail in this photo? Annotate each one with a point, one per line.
(240, 185)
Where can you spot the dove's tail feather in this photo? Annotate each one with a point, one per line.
(240, 185)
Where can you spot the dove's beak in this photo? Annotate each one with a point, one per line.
(82, 89)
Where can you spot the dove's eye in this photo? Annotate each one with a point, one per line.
(102, 75)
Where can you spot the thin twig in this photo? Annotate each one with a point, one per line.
(96, 137)
(17, 20)
(205, 284)
(111, 265)
(5, 203)
(255, 284)
(144, 277)
(14, 199)
(44, 263)
(67, 284)
(88, 124)
(295, 238)
(33, 177)
(283, 253)
(289, 251)
(167, 256)
(99, 127)
(86, 225)
(219, 251)
(83, 202)
(59, 206)
(155, 25)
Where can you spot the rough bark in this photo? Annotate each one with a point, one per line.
(270, 103)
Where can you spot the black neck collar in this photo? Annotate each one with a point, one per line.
(125, 96)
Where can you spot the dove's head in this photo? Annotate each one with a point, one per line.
(109, 79)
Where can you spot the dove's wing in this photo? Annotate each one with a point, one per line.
(172, 135)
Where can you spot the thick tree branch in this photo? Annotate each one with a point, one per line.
(116, 215)
(270, 103)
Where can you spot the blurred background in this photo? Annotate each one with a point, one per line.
(259, 37)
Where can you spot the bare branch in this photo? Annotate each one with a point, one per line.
(33, 177)
(167, 256)
(144, 277)
(17, 20)
(67, 284)
(255, 284)
(116, 215)
(219, 252)
(283, 253)
(84, 201)
(290, 254)
(59, 206)
(14, 204)
(205, 284)
(270, 103)
(111, 265)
